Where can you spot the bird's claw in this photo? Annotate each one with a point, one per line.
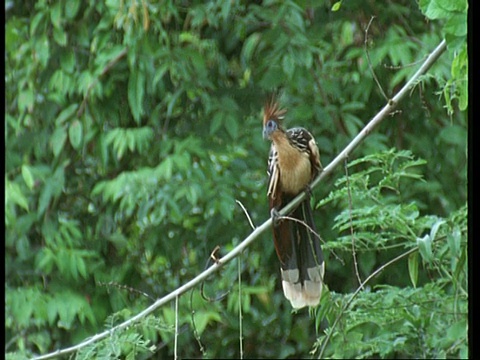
(308, 190)
(275, 216)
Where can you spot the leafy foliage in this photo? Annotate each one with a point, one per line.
(397, 319)
(454, 15)
(132, 127)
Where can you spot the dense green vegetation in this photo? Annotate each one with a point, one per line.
(132, 127)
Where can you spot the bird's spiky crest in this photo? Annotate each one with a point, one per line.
(272, 111)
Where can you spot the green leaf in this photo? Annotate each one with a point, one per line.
(75, 134)
(130, 140)
(60, 36)
(27, 176)
(249, 46)
(454, 241)
(454, 135)
(232, 126)
(85, 80)
(21, 304)
(457, 331)
(72, 264)
(456, 25)
(26, 100)
(71, 8)
(413, 268)
(288, 65)
(203, 318)
(82, 268)
(166, 168)
(458, 84)
(435, 227)
(65, 114)
(67, 61)
(45, 197)
(433, 9)
(53, 187)
(336, 6)
(44, 260)
(136, 89)
(56, 14)
(42, 49)
(14, 194)
(463, 96)
(120, 144)
(68, 305)
(57, 140)
(216, 122)
(37, 19)
(52, 310)
(172, 101)
(425, 248)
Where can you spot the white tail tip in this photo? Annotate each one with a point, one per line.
(303, 294)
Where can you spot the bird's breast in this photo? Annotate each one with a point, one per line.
(295, 171)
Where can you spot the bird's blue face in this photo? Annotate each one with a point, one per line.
(269, 128)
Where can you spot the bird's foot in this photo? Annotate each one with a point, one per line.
(275, 216)
(308, 191)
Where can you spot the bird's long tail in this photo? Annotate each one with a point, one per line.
(298, 247)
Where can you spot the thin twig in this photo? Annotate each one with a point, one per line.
(176, 329)
(347, 304)
(125, 287)
(370, 62)
(354, 253)
(202, 286)
(212, 254)
(246, 214)
(255, 234)
(399, 67)
(301, 222)
(194, 325)
(240, 316)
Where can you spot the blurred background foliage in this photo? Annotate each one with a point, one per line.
(131, 127)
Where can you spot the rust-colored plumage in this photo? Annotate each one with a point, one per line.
(293, 163)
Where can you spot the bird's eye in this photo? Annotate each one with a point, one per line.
(271, 124)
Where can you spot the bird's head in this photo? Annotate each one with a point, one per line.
(272, 118)
(269, 128)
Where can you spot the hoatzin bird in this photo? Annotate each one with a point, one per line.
(293, 163)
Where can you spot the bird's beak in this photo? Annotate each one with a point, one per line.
(266, 134)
